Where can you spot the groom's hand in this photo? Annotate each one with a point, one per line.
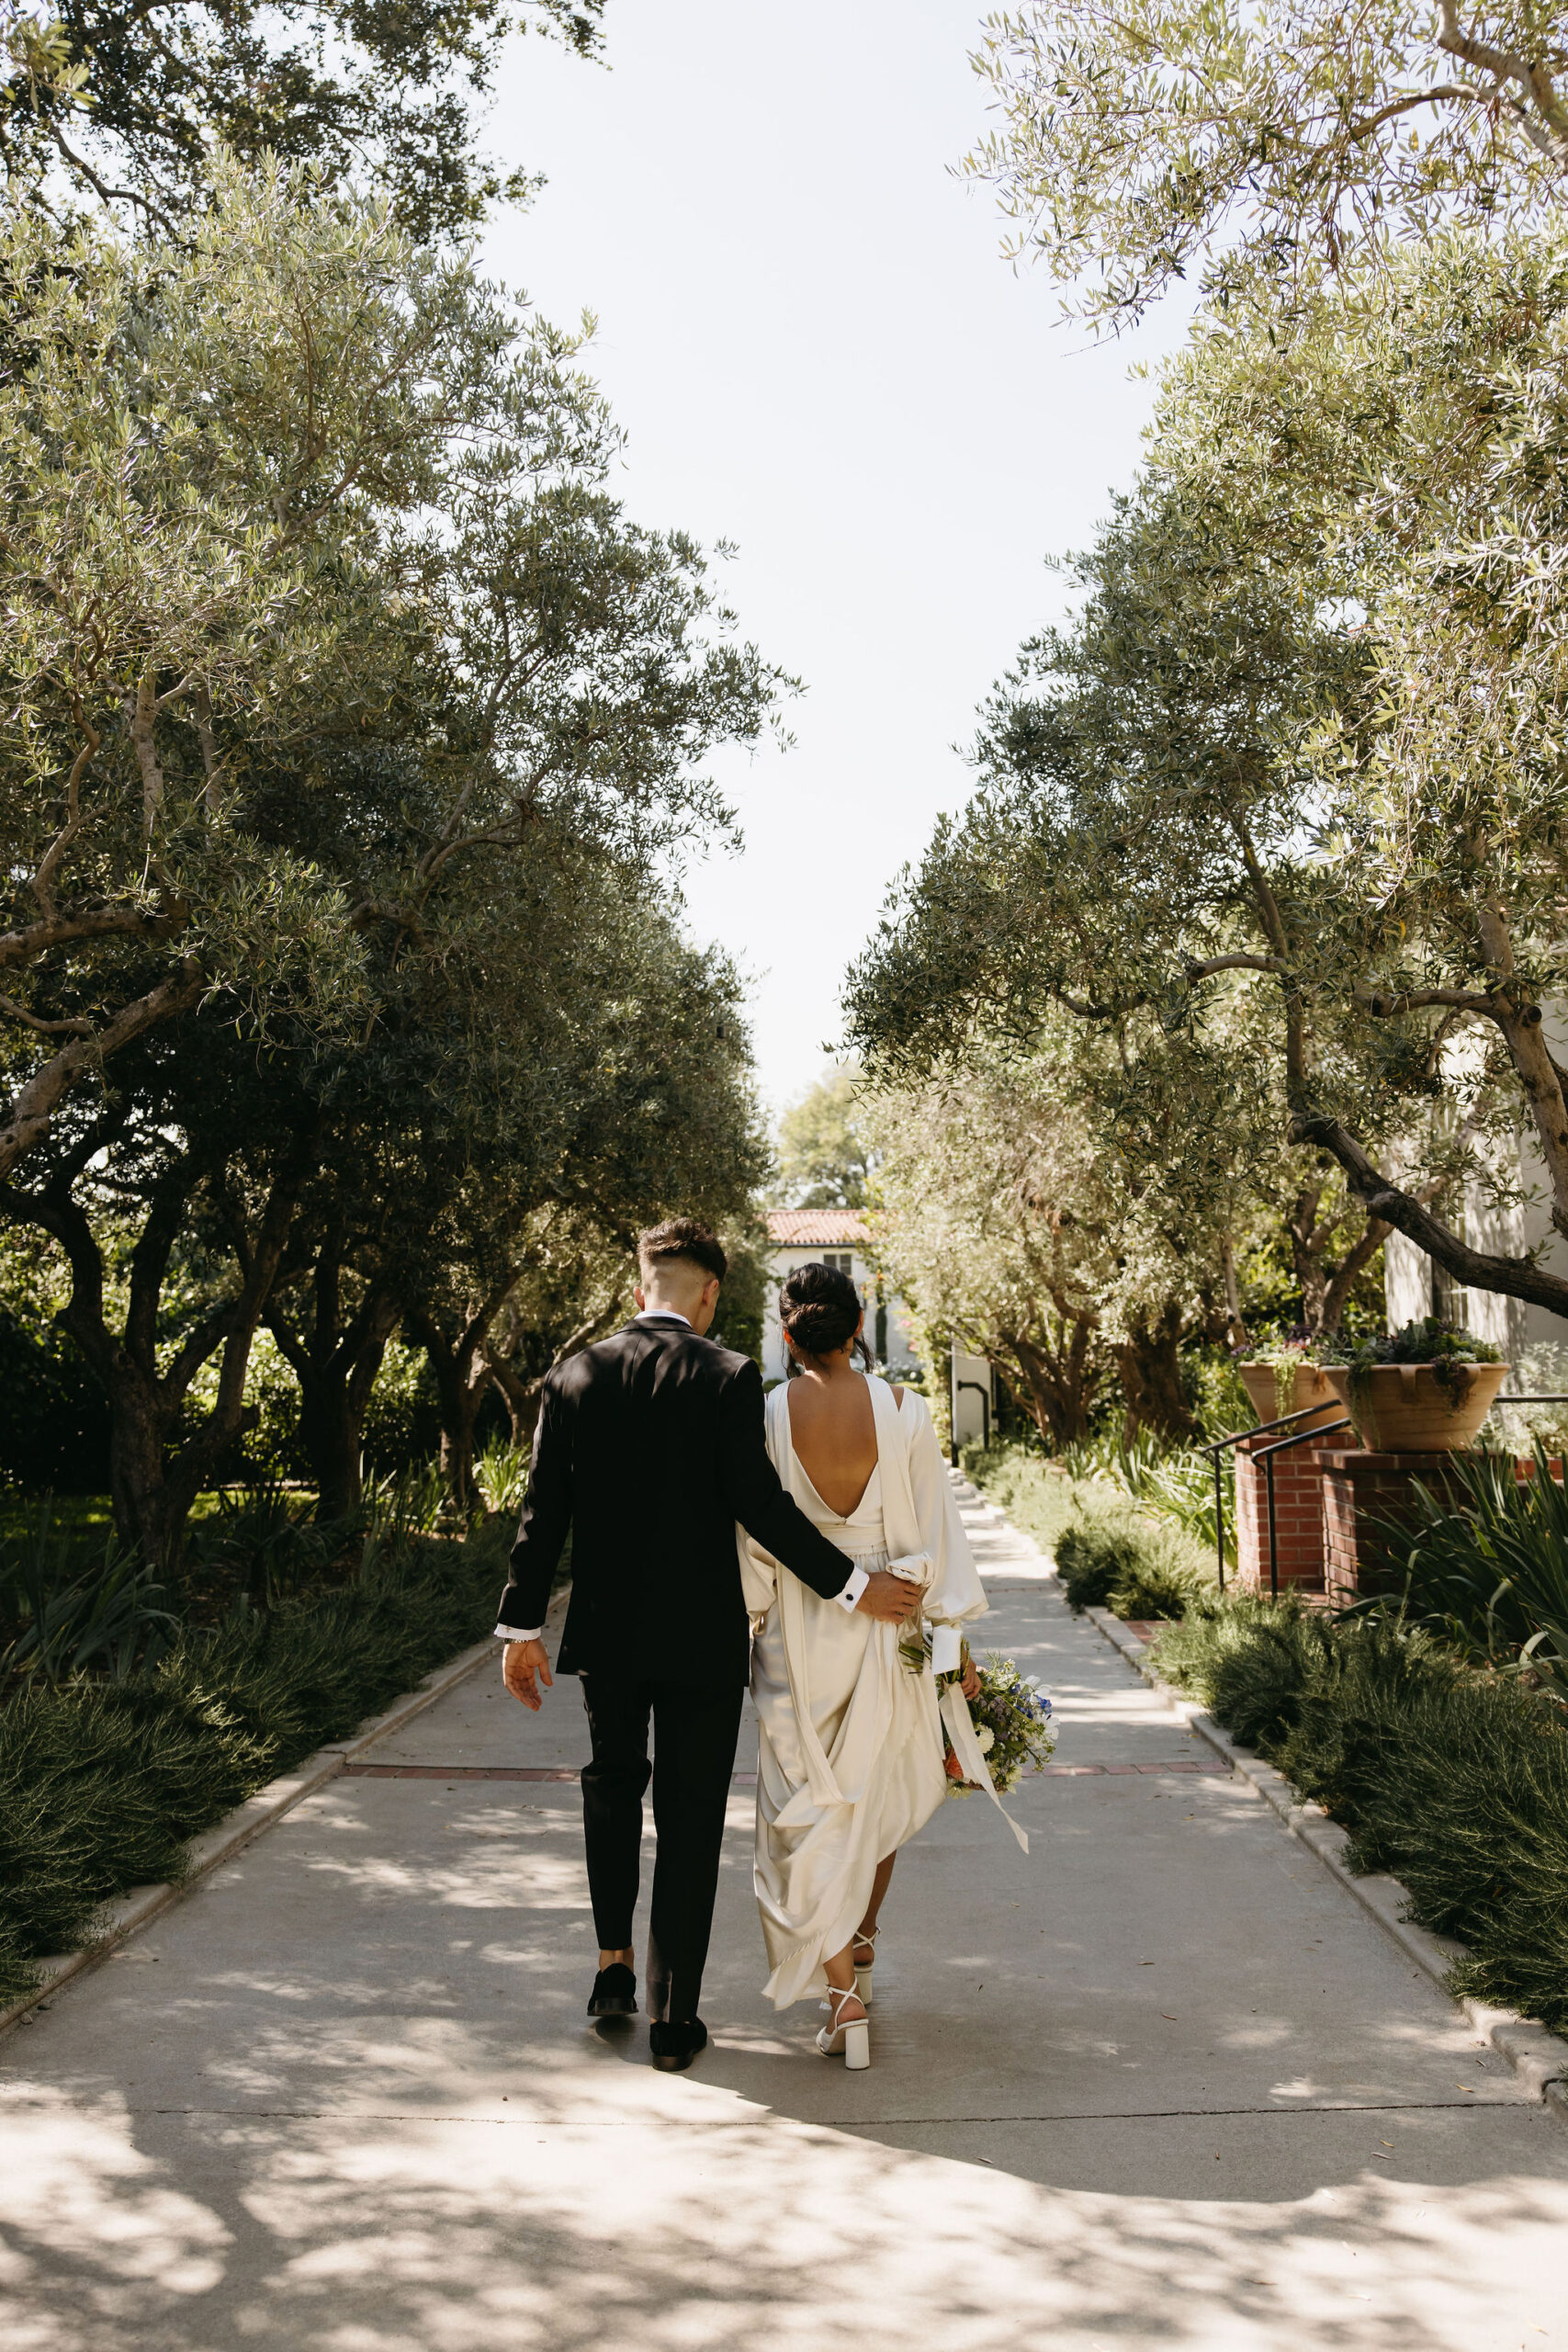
(524, 1666)
(889, 1597)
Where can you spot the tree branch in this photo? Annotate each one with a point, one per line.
(1511, 1277)
(33, 1107)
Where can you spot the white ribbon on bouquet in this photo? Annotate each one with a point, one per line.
(966, 1747)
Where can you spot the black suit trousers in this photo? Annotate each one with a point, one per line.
(694, 1731)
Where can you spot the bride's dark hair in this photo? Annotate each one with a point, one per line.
(819, 1308)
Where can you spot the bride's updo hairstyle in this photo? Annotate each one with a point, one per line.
(819, 1308)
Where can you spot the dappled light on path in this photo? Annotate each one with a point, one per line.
(1161, 2083)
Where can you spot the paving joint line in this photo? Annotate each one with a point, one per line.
(882, 2122)
(130, 1913)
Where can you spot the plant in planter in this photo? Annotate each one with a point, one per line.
(1424, 1388)
(1285, 1374)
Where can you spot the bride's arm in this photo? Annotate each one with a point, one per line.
(955, 1595)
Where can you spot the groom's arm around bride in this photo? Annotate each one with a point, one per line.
(651, 1446)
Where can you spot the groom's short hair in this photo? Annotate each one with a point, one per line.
(681, 1237)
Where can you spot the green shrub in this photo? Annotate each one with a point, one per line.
(1488, 1564)
(1118, 1560)
(1454, 1780)
(101, 1784)
(1090, 1558)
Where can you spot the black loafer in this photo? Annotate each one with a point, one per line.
(675, 2046)
(615, 1992)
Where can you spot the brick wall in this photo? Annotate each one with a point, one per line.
(1362, 1491)
(1298, 1513)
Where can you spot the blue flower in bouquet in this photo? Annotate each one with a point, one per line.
(1011, 1716)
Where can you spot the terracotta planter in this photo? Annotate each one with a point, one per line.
(1403, 1407)
(1277, 1389)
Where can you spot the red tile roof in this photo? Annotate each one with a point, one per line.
(816, 1229)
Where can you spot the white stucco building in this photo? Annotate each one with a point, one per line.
(832, 1237)
(1414, 1284)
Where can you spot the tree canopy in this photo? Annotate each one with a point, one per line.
(125, 98)
(1258, 142)
(825, 1160)
(1302, 742)
(353, 733)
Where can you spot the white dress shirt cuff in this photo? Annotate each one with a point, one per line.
(519, 1633)
(850, 1596)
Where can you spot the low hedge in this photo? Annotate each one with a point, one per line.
(1109, 1554)
(102, 1783)
(1454, 1780)
(1118, 1561)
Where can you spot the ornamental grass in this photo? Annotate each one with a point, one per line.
(102, 1783)
(1452, 1779)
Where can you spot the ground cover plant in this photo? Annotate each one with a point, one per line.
(102, 1782)
(1109, 1554)
(1454, 1779)
(1487, 1565)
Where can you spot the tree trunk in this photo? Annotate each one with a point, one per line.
(521, 1397)
(1308, 1250)
(1150, 1365)
(336, 1366)
(153, 1488)
(149, 1508)
(462, 1373)
(1057, 1382)
(524, 1397)
(461, 1379)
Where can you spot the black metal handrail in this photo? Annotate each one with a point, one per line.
(1283, 1446)
(1266, 1455)
(1216, 1446)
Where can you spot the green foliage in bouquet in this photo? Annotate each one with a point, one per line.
(1013, 1722)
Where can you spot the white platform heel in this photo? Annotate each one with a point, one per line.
(853, 2039)
(863, 1968)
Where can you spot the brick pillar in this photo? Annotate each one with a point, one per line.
(1360, 1490)
(1298, 1512)
(1363, 1494)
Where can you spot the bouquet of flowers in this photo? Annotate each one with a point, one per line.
(1011, 1716)
(1012, 1724)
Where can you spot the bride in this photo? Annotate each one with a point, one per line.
(850, 1762)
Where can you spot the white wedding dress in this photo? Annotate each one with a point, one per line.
(851, 1736)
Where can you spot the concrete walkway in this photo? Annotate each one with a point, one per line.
(1162, 2083)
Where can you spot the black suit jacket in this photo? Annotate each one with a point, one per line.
(649, 1447)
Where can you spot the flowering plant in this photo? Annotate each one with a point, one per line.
(1011, 1716)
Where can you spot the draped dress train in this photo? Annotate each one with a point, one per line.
(850, 1735)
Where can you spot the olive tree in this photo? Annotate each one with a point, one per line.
(122, 100)
(1304, 739)
(329, 660)
(1016, 1205)
(1135, 145)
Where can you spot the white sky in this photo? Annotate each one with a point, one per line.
(808, 332)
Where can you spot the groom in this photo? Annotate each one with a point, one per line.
(649, 1447)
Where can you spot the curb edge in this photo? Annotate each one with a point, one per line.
(127, 1913)
(1537, 2056)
